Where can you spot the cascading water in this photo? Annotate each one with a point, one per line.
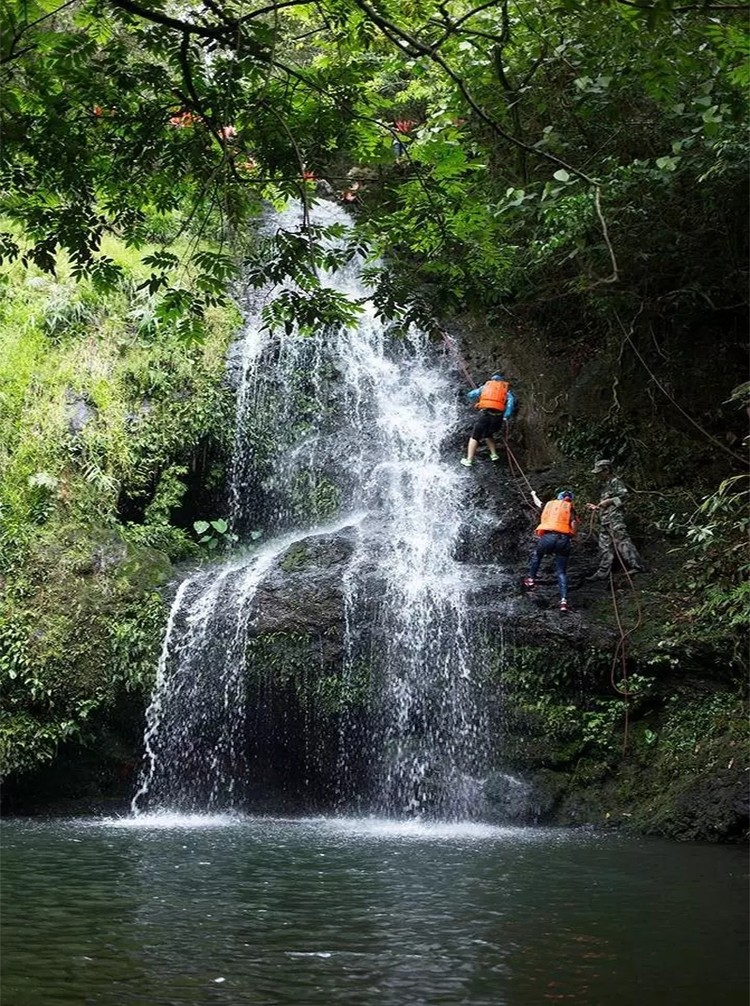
(402, 404)
(326, 424)
(195, 721)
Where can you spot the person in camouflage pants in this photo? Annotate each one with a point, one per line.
(613, 534)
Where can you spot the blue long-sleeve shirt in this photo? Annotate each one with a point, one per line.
(510, 404)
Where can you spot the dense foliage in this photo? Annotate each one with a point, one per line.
(106, 430)
(515, 149)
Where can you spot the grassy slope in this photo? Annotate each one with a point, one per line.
(103, 420)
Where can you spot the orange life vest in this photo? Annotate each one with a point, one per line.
(557, 516)
(494, 395)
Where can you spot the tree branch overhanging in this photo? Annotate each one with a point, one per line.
(272, 8)
(156, 17)
(689, 9)
(411, 44)
(17, 36)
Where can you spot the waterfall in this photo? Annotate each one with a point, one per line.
(342, 421)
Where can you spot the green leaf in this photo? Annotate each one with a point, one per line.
(201, 526)
(161, 260)
(220, 525)
(667, 163)
(561, 175)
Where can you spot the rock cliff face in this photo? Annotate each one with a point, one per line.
(559, 741)
(296, 659)
(303, 592)
(559, 745)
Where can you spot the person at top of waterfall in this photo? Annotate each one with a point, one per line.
(496, 403)
(555, 532)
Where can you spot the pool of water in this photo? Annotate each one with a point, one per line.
(175, 911)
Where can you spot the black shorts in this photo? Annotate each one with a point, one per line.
(487, 424)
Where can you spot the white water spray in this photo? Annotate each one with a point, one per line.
(194, 723)
(324, 424)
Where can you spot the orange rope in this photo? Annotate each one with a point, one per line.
(621, 648)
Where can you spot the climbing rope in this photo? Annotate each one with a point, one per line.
(620, 653)
(513, 460)
(453, 349)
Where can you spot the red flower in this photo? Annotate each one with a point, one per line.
(404, 125)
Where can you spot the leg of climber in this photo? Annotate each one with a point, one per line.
(606, 555)
(471, 450)
(561, 568)
(487, 424)
(536, 559)
(545, 546)
(627, 551)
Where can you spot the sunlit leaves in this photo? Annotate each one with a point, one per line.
(308, 311)
(9, 248)
(114, 115)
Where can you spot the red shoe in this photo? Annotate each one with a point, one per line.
(529, 583)
(564, 605)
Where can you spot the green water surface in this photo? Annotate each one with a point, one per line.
(250, 911)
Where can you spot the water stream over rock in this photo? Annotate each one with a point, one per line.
(328, 425)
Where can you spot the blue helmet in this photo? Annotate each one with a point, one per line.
(566, 494)
(497, 377)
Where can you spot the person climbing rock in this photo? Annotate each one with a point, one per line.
(613, 534)
(555, 531)
(496, 403)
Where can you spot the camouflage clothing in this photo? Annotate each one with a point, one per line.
(613, 534)
(613, 489)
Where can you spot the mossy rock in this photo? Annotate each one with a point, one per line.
(713, 807)
(144, 568)
(84, 617)
(297, 557)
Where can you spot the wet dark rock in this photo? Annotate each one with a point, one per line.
(713, 808)
(530, 622)
(303, 592)
(508, 798)
(79, 411)
(323, 551)
(297, 602)
(513, 800)
(548, 789)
